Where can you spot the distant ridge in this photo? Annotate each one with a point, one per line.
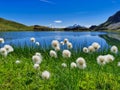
(76, 27)
(113, 23)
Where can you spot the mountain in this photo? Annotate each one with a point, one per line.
(42, 28)
(92, 27)
(113, 23)
(6, 25)
(76, 27)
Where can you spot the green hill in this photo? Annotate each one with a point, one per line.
(6, 25)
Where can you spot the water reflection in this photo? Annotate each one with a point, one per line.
(79, 39)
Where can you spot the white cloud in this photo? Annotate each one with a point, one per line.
(47, 1)
(58, 21)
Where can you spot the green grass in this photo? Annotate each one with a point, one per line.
(24, 77)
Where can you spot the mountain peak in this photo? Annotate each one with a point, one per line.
(115, 18)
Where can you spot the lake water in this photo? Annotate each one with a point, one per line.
(79, 39)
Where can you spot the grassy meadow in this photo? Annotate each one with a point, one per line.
(23, 76)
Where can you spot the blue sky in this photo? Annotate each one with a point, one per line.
(58, 13)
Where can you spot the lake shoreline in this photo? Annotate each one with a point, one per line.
(60, 31)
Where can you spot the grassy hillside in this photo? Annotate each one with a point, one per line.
(6, 25)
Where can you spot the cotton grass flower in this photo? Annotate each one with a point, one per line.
(91, 49)
(38, 54)
(3, 52)
(17, 61)
(85, 50)
(45, 75)
(36, 66)
(9, 48)
(118, 64)
(2, 40)
(32, 39)
(69, 45)
(66, 41)
(55, 43)
(73, 65)
(114, 49)
(62, 43)
(66, 53)
(96, 45)
(37, 43)
(64, 65)
(53, 54)
(36, 59)
(81, 64)
(109, 58)
(57, 48)
(101, 60)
